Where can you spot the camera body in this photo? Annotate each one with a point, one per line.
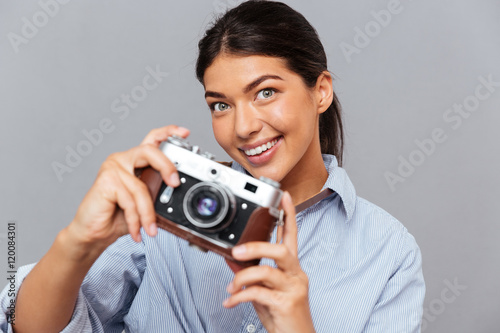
(215, 207)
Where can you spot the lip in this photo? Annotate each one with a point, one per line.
(259, 143)
(264, 157)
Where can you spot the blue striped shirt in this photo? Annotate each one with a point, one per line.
(364, 272)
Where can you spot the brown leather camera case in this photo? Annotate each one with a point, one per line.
(258, 228)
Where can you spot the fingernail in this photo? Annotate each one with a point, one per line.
(174, 179)
(239, 250)
(226, 302)
(153, 230)
(229, 287)
(182, 129)
(287, 197)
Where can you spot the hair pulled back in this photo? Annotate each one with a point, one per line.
(260, 27)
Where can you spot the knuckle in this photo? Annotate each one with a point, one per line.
(113, 162)
(108, 164)
(131, 206)
(130, 215)
(257, 291)
(132, 220)
(301, 288)
(140, 186)
(141, 151)
(280, 300)
(282, 252)
(267, 270)
(148, 147)
(106, 177)
(153, 132)
(114, 157)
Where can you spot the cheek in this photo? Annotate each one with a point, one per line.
(292, 114)
(221, 133)
(277, 118)
(281, 114)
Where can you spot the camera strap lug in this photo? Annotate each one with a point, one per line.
(281, 222)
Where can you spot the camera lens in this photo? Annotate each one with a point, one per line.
(208, 205)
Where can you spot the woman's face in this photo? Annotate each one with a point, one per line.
(263, 115)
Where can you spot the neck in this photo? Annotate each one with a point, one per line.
(306, 180)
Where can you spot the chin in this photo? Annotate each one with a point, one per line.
(275, 175)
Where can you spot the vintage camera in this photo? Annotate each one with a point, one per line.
(215, 208)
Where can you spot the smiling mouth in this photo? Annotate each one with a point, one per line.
(262, 148)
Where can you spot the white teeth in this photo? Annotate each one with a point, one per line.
(260, 149)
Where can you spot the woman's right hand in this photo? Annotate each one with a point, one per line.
(118, 202)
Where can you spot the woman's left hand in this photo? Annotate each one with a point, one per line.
(279, 295)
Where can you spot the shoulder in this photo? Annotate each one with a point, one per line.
(369, 215)
(380, 230)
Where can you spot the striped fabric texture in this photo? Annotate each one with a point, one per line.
(364, 269)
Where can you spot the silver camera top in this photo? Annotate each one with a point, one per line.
(201, 165)
(183, 143)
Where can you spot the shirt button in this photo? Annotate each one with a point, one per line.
(251, 328)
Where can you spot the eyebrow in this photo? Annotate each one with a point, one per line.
(247, 88)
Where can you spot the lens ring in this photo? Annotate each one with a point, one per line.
(220, 215)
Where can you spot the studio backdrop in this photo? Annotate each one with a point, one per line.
(419, 83)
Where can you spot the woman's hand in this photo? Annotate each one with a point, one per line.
(279, 295)
(119, 202)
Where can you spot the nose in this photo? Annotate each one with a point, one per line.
(246, 122)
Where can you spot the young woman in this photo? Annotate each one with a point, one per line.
(343, 265)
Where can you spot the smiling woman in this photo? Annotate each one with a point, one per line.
(261, 103)
(275, 113)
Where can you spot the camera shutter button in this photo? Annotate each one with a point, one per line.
(208, 155)
(196, 149)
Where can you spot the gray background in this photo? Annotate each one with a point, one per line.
(394, 91)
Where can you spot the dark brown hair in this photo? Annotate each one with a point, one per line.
(259, 27)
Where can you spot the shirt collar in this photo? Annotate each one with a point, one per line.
(337, 181)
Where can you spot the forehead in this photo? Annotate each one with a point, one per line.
(239, 70)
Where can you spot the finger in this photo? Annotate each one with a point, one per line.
(290, 228)
(149, 155)
(258, 294)
(278, 252)
(125, 201)
(156, 136)
(142, 200)
(262, 275)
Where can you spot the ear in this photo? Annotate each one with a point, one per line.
(324, 91)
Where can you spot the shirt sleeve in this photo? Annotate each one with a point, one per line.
(106, 292)
(400, 306)
(8, 298)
